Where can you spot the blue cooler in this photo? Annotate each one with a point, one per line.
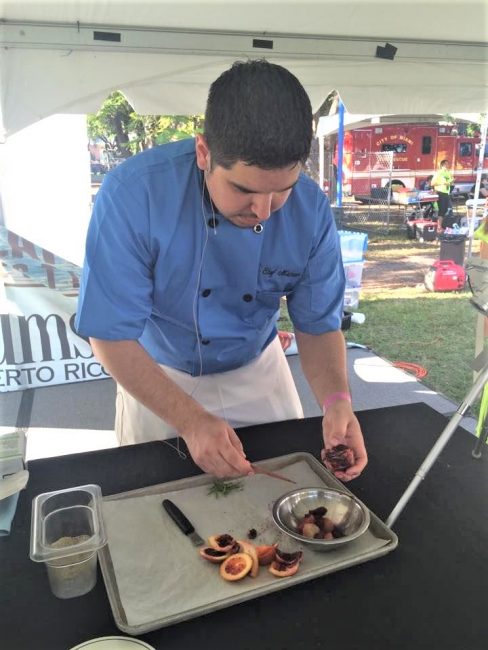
(353, 245)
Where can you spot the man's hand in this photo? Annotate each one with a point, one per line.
(324, 364)
(212, 443)
(216, 448)
(340, 426)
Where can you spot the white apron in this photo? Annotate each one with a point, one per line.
(262, 391)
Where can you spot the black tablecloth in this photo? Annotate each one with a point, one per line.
(431, 592)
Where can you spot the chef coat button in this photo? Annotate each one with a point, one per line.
(213, 222)
(247, 297)
(206, 293)
(205, 341)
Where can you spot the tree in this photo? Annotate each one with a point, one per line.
(150, 130)
(111, 122)
(473, 129)
(126, 132)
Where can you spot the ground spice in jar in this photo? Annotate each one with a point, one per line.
(72, 575)
(71, 562)
(63, 542)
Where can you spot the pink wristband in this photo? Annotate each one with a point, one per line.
(335, 397)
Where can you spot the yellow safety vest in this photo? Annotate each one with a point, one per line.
(442, 181)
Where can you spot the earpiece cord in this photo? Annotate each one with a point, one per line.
(182, 454)
(197, 289)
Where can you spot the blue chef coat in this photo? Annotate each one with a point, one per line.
(200, 294)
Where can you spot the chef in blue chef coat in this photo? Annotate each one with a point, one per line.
(190, 249)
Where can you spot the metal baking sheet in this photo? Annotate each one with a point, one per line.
(155, 577)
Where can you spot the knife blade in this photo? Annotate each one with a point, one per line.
(261, 470)
(182, 522)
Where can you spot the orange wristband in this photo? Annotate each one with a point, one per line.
(335, 397)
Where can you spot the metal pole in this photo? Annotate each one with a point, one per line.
(340, 153)
(390, 173)
(439, 445)
(321, 162)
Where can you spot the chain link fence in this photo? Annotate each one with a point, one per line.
(369, 187)
(367, 181)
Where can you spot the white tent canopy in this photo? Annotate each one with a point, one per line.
(67, 56)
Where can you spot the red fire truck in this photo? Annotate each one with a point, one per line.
(417, 150)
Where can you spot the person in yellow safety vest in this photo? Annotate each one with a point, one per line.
(441, 182)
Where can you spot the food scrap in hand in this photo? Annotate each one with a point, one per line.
(339, 458)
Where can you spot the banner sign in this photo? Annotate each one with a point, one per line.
(38, 342)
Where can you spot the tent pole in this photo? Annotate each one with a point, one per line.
(321, 162)
(340, 154)
(441, 442)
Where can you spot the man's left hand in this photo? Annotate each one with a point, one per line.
(341, 427)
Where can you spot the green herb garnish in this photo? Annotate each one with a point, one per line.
(223, 488)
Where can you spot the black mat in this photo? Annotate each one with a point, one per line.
(431, 592)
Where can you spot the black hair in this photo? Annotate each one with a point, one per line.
(444, 162)
(258, 113)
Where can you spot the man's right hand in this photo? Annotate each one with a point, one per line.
(216, 448)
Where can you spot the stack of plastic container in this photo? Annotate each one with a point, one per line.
(353, 247)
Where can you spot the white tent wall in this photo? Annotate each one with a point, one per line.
(164, 55)
(45, 184)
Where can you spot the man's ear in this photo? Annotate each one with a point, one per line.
(202, 152)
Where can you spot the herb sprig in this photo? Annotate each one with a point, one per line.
(220, 488)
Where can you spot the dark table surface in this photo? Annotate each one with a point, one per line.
(431, 592)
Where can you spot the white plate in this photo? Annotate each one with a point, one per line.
(113, 643)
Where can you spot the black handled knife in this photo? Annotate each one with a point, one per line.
(182, 522)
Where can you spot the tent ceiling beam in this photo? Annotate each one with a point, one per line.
(103, 38)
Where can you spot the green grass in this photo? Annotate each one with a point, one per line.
(435, 331)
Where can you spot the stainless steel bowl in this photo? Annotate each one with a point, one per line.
(348, 514)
